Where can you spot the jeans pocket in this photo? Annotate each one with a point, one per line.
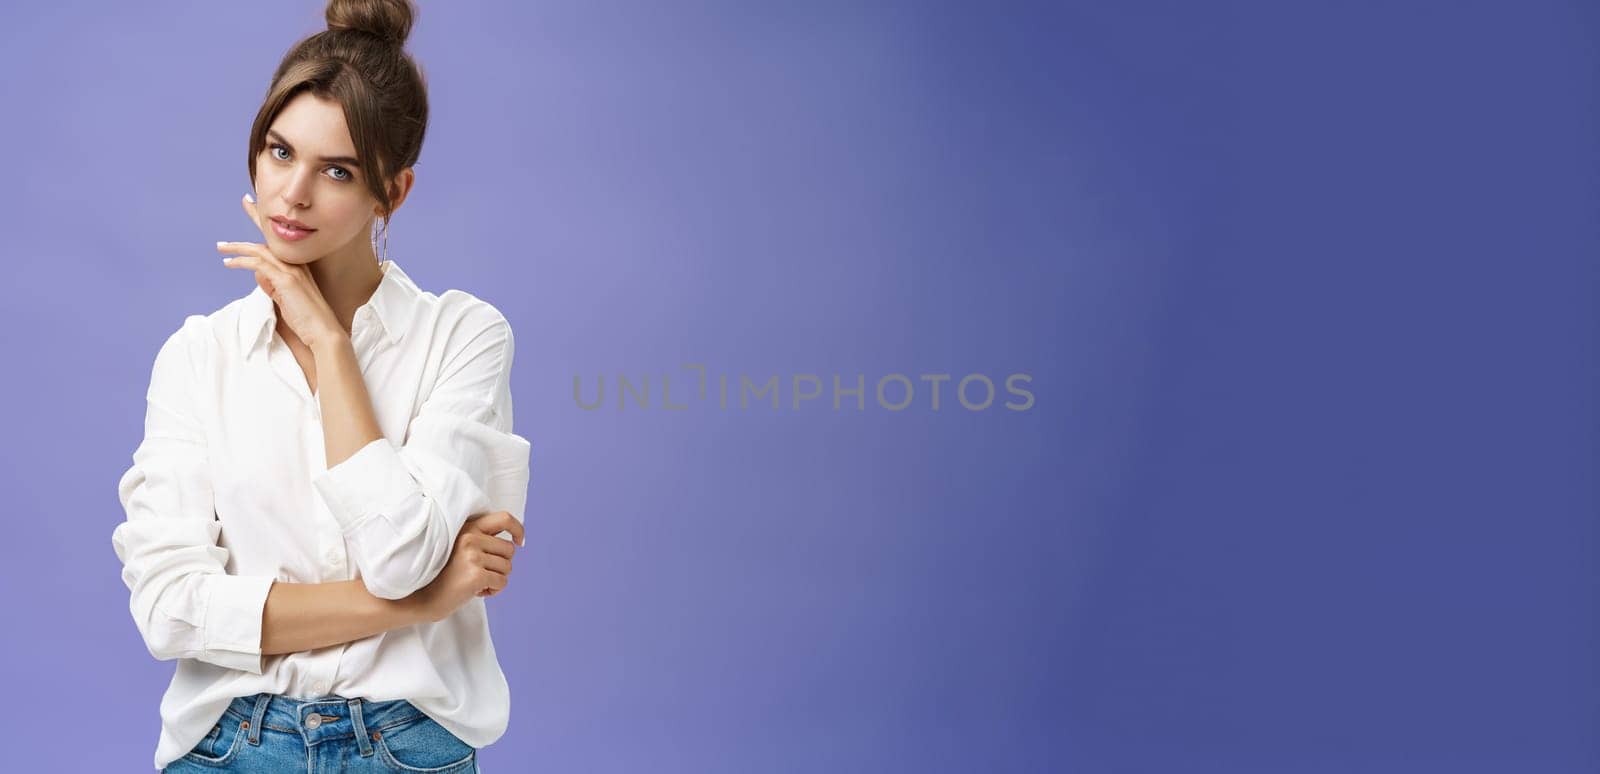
(221, 745)
(423, 746)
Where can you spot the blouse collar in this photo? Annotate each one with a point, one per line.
(392, 303)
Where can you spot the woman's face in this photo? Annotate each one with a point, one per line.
(307, 171)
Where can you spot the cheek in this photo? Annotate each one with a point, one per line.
(269, 180)
(345, 213)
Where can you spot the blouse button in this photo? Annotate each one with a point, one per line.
(332, 556)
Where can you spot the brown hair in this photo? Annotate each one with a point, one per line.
(360, 62)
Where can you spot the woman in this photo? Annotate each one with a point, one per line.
(314, 553)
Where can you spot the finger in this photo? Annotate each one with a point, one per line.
(491, 579)
(499, 564)
(260, 259)
(266, 254)
(250, 261)
(276, 277)
(253, 248)
(500, 521)
(249, 204)
(490, 544)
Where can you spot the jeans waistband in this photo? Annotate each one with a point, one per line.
(324, 718)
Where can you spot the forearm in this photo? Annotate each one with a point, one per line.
(389, 571)
(401, 506)
(306, 616)
(348, 421)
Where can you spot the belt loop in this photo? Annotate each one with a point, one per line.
(361, 727)
(258, 718)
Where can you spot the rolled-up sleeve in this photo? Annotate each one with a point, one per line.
(183, 600)
(401, 506)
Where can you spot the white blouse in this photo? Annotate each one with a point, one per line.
(230, 491)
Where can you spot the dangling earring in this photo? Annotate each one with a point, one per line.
(384, 253)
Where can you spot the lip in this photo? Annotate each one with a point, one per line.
(292, 222)
(280, 228)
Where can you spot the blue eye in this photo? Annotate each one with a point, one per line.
(275, 147)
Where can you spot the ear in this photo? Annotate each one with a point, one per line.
(398, 190)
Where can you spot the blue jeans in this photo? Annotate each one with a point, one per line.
(270, 733)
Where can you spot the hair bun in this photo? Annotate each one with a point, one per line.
(387, 19)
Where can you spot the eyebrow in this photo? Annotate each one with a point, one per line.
(327, 159)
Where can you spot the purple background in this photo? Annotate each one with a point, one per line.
(1306, 293)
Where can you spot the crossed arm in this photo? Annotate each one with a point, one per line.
(399, 507)
(306, 616)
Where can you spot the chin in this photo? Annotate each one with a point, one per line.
(291, 253)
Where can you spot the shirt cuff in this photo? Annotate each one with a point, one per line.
(233, 620)
(374, 477)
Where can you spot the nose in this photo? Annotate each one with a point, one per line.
(297, 188)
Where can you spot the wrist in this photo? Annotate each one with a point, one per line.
(417, 608)
(326, 342)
